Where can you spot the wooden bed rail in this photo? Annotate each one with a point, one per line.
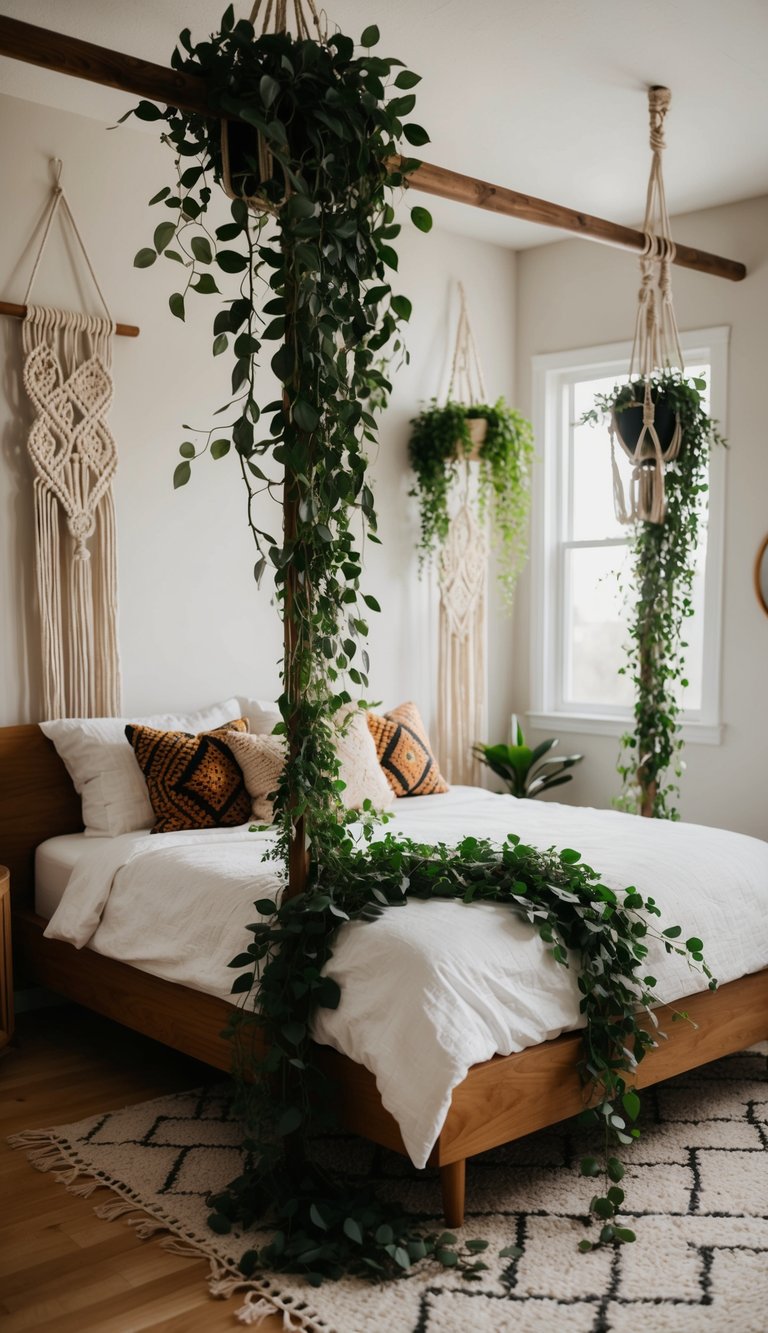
(141, 78)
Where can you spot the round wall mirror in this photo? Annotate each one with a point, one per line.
(761, 575)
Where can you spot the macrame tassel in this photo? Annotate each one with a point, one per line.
(461, 689)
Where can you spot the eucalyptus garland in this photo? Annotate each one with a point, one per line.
(440, 442)
(322, 254)
(661, 591)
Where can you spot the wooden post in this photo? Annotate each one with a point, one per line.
(141, 78)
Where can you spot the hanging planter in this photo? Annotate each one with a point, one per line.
(659, 421)
(627, 423)
(249, 170)
(447, 437)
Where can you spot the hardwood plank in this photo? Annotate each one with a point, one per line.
(61, 1267)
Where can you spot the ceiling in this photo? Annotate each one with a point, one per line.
(544, 96)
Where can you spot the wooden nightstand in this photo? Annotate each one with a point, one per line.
(6, 965)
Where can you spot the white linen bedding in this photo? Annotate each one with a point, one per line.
(428, 989)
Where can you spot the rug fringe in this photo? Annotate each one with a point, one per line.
(258, 1307)
(48, 1152)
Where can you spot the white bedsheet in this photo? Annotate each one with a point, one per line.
(428, 989)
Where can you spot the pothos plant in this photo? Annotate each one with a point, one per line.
(441, 442)
(326, 113)
(659, 594)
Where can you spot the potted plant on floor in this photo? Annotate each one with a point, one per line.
(525, 771)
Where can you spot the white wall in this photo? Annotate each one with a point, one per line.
(192, 625)
(576, 294)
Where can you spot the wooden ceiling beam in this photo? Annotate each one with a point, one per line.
(157, 83)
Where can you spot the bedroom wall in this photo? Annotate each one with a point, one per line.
(193, 628)
(576, 294)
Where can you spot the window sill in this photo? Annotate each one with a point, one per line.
(604, 724)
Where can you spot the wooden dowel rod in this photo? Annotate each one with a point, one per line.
(70, 55)
(19, 312)
(498, 199)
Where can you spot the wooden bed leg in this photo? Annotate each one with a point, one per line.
(452, 1181)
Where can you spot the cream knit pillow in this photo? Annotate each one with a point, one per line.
(261, 759)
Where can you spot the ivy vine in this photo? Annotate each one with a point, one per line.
(322, 256)
(660, 596)
(439, 444)
(325, 1226)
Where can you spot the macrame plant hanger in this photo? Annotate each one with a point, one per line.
(67, 365)
(462, 579)
(656, 345)
(275, 17)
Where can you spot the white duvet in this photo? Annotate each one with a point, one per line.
(428, 989)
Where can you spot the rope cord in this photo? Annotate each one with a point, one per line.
(59, 199)
(467, 377)
(656, 343)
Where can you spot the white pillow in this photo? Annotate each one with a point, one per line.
(263, 715)
(103, 767)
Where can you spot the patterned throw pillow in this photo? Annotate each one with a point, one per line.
(193, 781)
(405, 754)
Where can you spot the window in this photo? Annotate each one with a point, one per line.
(578, 618)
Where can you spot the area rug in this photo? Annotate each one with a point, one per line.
(697, 1183)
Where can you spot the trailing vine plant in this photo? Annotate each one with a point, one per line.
(660, 598)
(325, 114)
(439, 445)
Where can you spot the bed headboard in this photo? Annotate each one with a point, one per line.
(37, 801)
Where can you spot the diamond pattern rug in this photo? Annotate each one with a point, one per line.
(697, 1185)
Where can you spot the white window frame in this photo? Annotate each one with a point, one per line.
(552, 373)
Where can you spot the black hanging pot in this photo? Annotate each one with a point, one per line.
(249, 170)
(628, 424)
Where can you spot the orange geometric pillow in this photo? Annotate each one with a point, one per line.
(404, 752)
(193, 781)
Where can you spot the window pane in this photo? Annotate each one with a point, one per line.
(595, 628)
(592, 514)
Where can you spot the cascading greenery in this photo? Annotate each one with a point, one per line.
(660, 598)
(440, 441)
(325, 259)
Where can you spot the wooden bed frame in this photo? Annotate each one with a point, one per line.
(499, 1100)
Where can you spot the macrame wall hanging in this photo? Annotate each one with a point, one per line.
(462, 579)
(67, 364)
(648, 431)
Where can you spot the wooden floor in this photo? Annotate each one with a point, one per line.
(62, 1268)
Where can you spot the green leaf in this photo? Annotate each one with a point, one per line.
(161, 194)
(406, 79)
(181, 475)
(220, 344)
(164, 234)
(589, 1166)
(569, 856)
(624, 1234)
(317, 1217)
(231, 261)
(201, 249)
(510, 1252)
(219, 448)
(585, 1246)
(265, 906)
(353, 1231)
(187, 450)
(306, 417)
(244, 983)
(448, 1258)
(694, 945)
(615, 1169)
(205, 285)
(631, 1103)
(415, 134)
(402, 307)
(144, 258)
(672, 932)
(370, 36)
(147, 111)
(176, 305)
(268, 89)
